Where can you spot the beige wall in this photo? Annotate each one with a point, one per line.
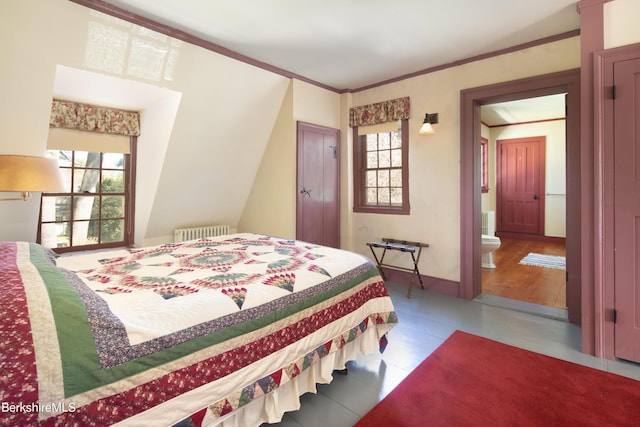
(621, 23)
(268, 211)
(434, 164)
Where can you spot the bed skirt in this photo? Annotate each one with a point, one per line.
(270, 407)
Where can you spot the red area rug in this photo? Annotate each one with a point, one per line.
(474, 381)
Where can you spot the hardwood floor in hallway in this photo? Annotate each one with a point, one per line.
(537, 285)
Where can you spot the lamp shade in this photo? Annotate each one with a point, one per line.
(426, 129)
(429, 119)
(28, 173)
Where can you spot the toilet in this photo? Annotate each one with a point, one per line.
(489, 244)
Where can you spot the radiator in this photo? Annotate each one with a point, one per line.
(192, 233)
(489, 223)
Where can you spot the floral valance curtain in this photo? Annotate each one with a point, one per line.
(90, 118)
(381, 112)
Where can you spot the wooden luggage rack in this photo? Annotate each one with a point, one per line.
(412, 248)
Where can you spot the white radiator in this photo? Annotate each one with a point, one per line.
(192, 233)
(489, 223)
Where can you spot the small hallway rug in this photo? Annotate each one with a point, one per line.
(474, 381)
(541, 260)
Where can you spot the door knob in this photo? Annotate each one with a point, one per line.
(305, 191)
(535, 197)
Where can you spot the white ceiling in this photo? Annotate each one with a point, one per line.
(350, 44)
(524, 110)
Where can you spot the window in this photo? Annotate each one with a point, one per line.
(381, 181)
(96, 209)
(484, 158)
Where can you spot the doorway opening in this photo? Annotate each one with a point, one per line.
(523, 204)
(566, 82)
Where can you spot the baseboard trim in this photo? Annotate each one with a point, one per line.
(534, 237)
(434, 284)
(523, 307)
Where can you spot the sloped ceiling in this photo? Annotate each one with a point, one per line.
(197, 154)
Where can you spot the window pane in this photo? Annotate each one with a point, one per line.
(55, 235)
(48, 208)
(93, 235)
(94, 160)
(372, 180)
(396, 178)
(87, 159)
(396, 196)
(63, 157)
(113, 207)
(83, 208)
(383, 196)
(66, 179)
(396, 158)
(384, 159)
(113, 182)
(372, 196)
(396, 140)
(384, 141)
(61, 207)
(113, 231)
(80, 159)
(113, 161)
(372, 142)
(372, 160)
(86, 180)
(83, 234)
(383, 178)
(484, 165)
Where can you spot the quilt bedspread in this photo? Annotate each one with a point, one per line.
(96, 338)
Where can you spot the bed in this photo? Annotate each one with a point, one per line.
(228, 330)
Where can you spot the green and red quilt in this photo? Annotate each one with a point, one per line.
(187, 332)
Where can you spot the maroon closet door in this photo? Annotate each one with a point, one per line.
(318, 201)
(627, 209)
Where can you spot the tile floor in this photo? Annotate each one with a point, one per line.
(426, 320)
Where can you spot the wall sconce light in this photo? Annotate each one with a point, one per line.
(25, 174)
(429, 119)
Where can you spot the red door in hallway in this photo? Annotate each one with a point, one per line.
(520, 185)
(627, 208)
(318, 207)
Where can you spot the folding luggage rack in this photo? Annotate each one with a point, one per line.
(412, 248)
